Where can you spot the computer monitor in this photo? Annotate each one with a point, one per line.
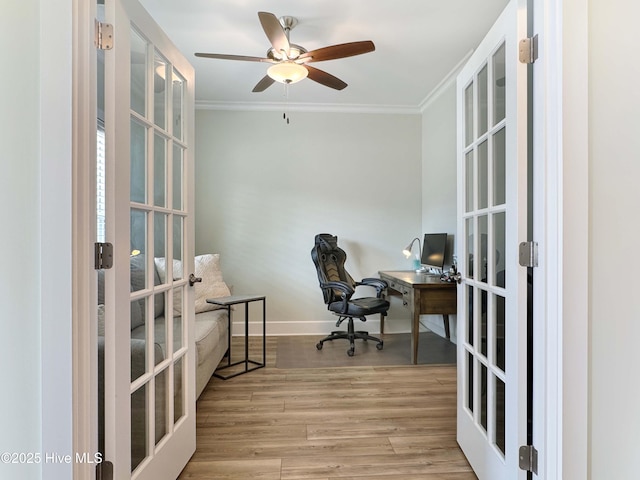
(433, 250)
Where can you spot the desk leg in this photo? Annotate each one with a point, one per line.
(246, 336)
(447, 327)
(415, 326)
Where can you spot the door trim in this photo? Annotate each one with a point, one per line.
(561, 203)
(85, 356)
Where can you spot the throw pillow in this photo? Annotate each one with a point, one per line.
(207, 267)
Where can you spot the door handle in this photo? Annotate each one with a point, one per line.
(193, 279)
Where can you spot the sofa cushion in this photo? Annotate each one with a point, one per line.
(211, 329)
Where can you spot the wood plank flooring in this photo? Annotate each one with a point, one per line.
(352, 423)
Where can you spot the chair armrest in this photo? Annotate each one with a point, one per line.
(378, 284)
(344, 287)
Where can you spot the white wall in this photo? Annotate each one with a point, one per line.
(35, 279)
(614, 169)
(20, 402)
(439, 181)
(264, 189)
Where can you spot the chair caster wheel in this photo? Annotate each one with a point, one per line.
(319, 345)
(379, 346)
(350, 352)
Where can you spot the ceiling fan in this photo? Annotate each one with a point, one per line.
(290, 62)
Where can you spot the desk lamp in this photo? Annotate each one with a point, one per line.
(407, 253)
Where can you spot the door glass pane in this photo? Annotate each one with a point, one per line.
(499, 82)
(499, 240)
(159, 171)
(483, 102)
(160, 75)
(138, 73)
(483, 232)
(470, 184)
(178, 406)
(483, 322)
(471, 246)
(160, 235)
(470, 320)
(161, 410)
(138, 162)
(138, 249)
(177, 247)
(160, 329)
(483, 396)
(499, 169)
(483, 175)
(138, 426)
(177, 177)
(470, 389)
(178, 104)
(138, 338)
(500, 333)
(500, 415)
(177, 319)
(468, 115)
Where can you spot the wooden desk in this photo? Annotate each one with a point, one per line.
(422, 295)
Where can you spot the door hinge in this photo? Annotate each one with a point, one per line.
(103, 36)
(528, 459)
(528, 254)
(528, 49)
(104, 471)
(103, 256)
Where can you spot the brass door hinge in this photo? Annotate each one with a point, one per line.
(528, 49)
(103, 38)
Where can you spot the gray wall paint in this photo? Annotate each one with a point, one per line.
(264, 189)
(439, 179)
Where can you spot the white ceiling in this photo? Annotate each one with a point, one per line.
(418, 43)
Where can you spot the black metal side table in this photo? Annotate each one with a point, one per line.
(228, 302)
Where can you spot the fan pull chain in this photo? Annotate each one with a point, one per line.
(285, 115)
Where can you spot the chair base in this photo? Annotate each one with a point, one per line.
(350, 335)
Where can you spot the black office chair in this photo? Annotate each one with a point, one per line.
(338, 287)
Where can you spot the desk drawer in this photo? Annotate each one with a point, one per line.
(407, 296)
(393, 285)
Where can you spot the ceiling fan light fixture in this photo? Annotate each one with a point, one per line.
(287, 72)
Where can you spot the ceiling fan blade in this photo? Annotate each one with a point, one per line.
(274, 31)
(234, 57)
(325, 78)
(263, 84)
(339, 51)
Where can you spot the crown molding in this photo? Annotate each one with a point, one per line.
(309, 107)
(444, 84)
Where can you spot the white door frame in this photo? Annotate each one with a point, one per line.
(561, 417)
(85, 358)
(561, 406)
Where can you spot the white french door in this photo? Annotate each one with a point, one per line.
(492, 221)
(149, 359)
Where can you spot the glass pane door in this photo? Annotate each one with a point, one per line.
(491, 217)
(157, 249)
(149, 364)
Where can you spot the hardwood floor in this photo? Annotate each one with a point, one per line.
(355, 423)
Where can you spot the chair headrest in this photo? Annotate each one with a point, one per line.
(326, 242)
